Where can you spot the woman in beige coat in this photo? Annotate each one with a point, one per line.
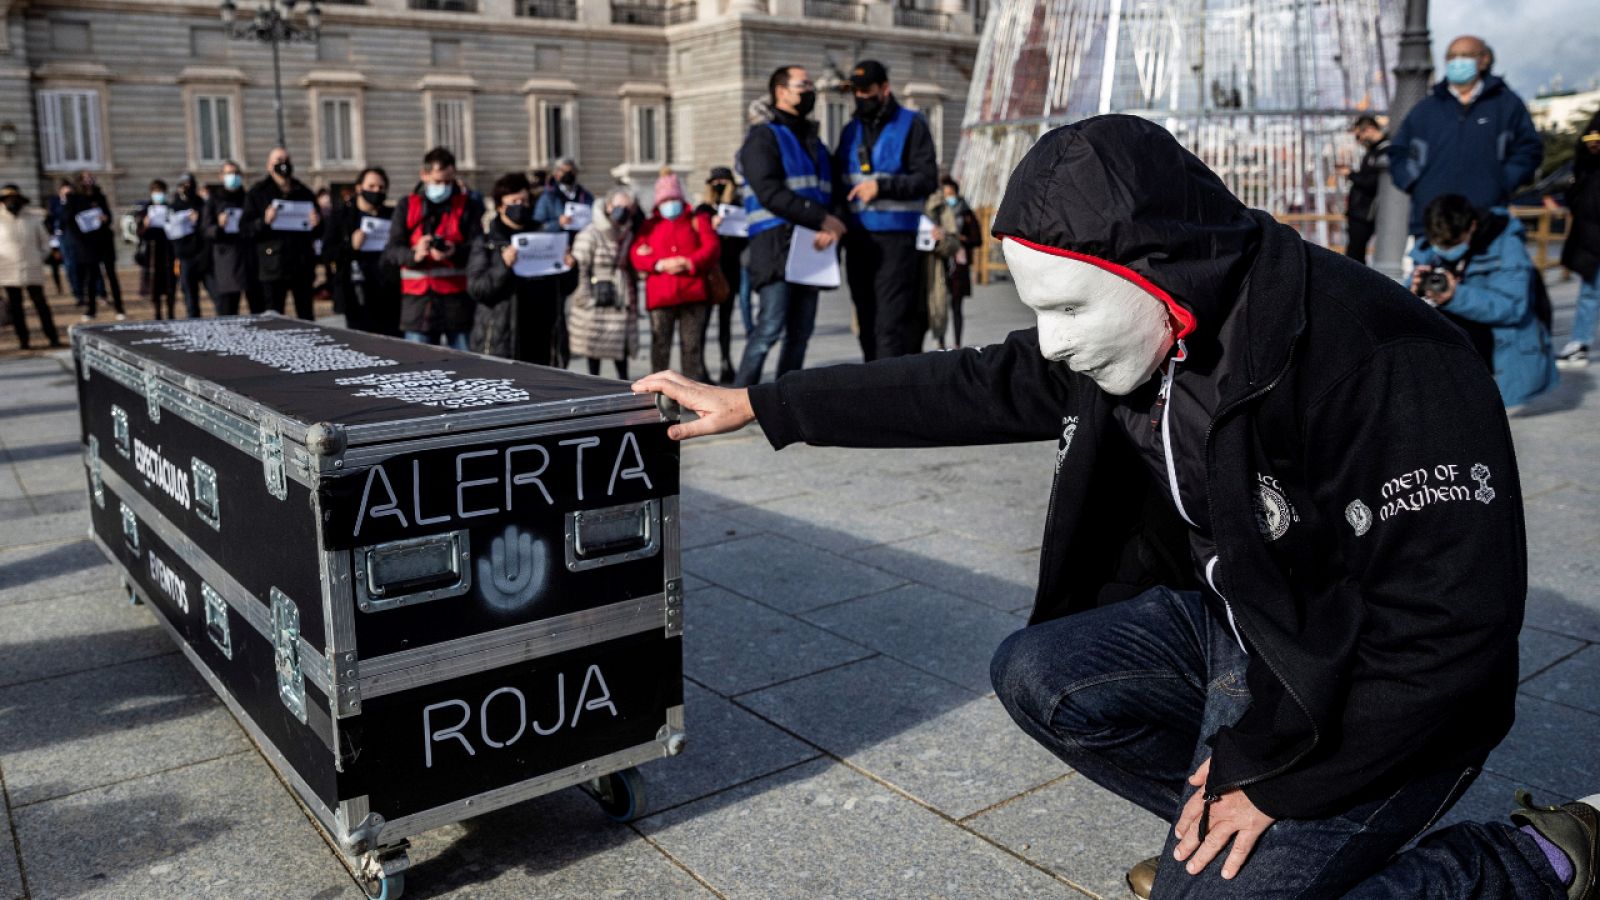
(23, 247)
(603, 313)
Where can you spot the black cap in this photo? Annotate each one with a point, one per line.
(867, 73)
(720, 173)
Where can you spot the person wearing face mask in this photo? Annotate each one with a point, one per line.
(676, 249)
(233, 256)
(190, 250)
(553, 213)
(789, 175)
(516, 315)
(285, 258)
(722, 191)
(1284, 563)
(1486, 278)
(90, 223)
(430, 240)
(603, 317)
(1580, 253)
(67, 241)
(367, 292)
(947, 272)
(886, 168)
(154, 256)
(24, 242)
(1361, 205)
(1472, 135)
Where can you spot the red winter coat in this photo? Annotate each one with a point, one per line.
(690, 236)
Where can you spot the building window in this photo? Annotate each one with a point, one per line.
(462, 6)
(834, 117)
(69, 129)
(338, 121)
(648, 133)
(553, 116)
(449, 127)
(213, 126)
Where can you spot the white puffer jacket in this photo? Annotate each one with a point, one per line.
(23, 246)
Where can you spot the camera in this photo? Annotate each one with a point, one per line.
(440, 243)
(1436, 282)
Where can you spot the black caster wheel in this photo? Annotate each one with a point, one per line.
(620, 795)
(389, 888)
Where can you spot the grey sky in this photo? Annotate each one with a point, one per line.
(1533, 40)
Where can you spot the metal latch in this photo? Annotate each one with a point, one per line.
(674, 607)
(130, 529)
(120, 433)
(96, 481)
(152, 394)
(272, 459)
(413, 570)
(206, 504)
(603, 537)
(286, 654)
(217, 620)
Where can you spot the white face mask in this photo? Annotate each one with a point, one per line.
(1098, 323)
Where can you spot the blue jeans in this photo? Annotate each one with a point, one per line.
(788, 311)
(456, 340)
(1129, 693)
(1583, 321)
(745, 312)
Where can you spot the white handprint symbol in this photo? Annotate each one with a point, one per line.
(513, 574)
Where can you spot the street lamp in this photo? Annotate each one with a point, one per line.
(273, 24)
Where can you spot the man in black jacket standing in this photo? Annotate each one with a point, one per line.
(285, 257)
(787, 168)
(886, 169)
(1284, 564)
(1361, 207)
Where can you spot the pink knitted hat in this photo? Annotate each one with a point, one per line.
(668, 188)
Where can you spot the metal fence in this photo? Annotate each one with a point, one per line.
(911, 17)
(548, 9)
(836, 10)
(461, 6)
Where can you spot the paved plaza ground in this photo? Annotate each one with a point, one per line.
(844, 740)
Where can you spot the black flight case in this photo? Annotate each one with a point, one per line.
(429, 584)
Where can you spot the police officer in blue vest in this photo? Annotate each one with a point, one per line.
(790, 177)
(886, 169)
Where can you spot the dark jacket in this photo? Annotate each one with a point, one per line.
(280, 255)
(192, 246)
(551, 205)
(762, 164)
(233, 258)
(1483, 152)
(99, 245)
(503, 296)
(1362, 204)
(1382, 623)
(432, 313)
(380, 287)
(1581, 253)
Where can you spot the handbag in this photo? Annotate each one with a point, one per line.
(718, 291)
(604, 292)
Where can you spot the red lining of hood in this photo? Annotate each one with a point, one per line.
(1185, 318)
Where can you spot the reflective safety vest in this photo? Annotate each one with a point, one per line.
(881, 214)
(429, 276)
(810, 177)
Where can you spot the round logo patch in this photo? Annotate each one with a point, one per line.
(1359, 517)
(1272, 512)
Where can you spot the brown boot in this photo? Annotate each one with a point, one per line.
(1575, 829)
(1142, 877)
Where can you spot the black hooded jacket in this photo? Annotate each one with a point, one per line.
(1382, 610)
(1581, 253)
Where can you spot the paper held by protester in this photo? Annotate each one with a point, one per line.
(925, 240)
(809, 266)
(293, 215)
(156, 215)
(90, 219)
(179, 224)
(734, 223)
(231, 226)
(539, 253)
(580, 215)
(376, 230)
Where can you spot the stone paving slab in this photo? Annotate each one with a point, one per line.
(1550, 748)
(1542, 649)
(221, 828)
(558, 845)
(977, 570)
(823, 831)
(829, 522)
(84, 632)
(1575, 681)
(734, 645)
(75, 732)
(1083, 833)
(944, 635)
(785, 574)
(53, 528)
(11, 887)
(727, 746)
(45, 571)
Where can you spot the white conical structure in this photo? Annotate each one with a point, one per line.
(1262, 90)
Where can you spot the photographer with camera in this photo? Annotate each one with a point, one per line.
(429, 241)
(1472, 266)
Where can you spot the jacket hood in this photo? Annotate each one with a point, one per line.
(1120, 192)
